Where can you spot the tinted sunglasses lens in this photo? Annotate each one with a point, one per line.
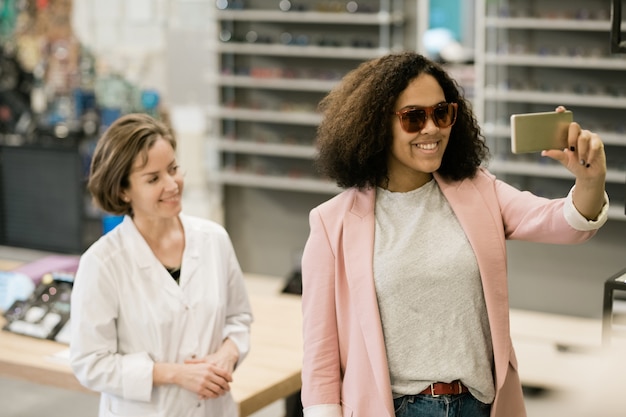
(413, 120)
(444, 115)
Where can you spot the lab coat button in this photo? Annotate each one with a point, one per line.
(198, 405)
(193, 356)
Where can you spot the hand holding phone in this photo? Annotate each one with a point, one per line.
(535, 132)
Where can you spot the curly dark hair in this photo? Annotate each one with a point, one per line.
(355, 135)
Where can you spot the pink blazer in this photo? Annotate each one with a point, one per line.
(344, 352)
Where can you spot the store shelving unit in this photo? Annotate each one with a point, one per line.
(533, 56)
(277, 60)
(272, 61)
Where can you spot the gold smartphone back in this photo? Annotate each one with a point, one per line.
(534, 132)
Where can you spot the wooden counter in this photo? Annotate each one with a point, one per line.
(273, 367)
(269, 373)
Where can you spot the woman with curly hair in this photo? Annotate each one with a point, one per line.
(405, 298)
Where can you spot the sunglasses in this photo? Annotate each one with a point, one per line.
(413, 119)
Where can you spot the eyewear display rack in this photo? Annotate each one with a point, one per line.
(276, 61)
(533, 56)
(272, 61)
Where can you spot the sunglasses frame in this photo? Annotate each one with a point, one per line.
(429, 114)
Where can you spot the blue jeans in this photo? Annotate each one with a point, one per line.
(463, 405)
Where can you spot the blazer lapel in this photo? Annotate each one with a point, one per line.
(358, 248)
(479, 216)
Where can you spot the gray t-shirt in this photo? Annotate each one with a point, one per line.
(430, 295)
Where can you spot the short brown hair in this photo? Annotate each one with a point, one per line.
(127, 138)
(355, 136)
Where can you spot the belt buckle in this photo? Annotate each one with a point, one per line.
(432, 391)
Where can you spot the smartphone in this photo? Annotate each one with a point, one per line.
(534, 132)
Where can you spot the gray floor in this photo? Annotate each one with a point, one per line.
(24, 399)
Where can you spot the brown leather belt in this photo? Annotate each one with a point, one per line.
(441, 388)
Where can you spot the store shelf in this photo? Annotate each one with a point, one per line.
(381, 18)
(268, 116)
(555, 98)
(534, 63)
(291, 84)
(272, 149)
(278, 182)
(273, 69)
(575, 62)
(330, 52)
(548, 24)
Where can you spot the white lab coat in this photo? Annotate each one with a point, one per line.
(127, 313)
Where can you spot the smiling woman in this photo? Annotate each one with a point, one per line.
(155, 185)
(123, 147)
(160, 314)
(404, 285)
(419, 143)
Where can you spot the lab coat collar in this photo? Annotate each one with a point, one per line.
(147, 261)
